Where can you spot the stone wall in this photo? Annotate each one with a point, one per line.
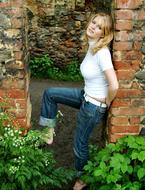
(127, 114)
(14, 76)
(57, 25)
(55, 28)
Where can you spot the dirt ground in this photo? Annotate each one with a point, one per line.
(63, 140)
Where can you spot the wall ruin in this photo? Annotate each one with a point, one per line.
(127, 113)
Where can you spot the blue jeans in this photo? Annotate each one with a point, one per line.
(89, 116)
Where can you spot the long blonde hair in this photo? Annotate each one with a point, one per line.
(107, 28)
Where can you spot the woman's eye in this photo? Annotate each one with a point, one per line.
(99, 27)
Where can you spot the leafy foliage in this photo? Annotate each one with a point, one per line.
(24, 164)
(44, 67)
(119, 166)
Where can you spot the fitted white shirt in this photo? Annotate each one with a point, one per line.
(92, 69)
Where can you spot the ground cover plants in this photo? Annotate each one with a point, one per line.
(25, 164)
(44, 67)
(118, 166)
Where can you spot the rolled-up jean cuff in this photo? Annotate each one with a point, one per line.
(79, 174)
(47, 122)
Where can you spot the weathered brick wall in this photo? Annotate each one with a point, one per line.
(127, 114)
(14, 76)
(57, 25)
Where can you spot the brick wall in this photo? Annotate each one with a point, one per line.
(127, 114)
(14, 76)
(128, 110)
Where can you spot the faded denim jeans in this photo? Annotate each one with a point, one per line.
(89, 116)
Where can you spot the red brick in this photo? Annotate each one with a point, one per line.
(20, 122)
(13, 83)
(134, 120)
(126, 65)
(132, 111)
(123, 36)
(17, 113)
(135, 64)
(129, 93)
(124, 14)
(128, 4)
(133, 55)
(124, 129)
(120, 103)
(119, 121)
(17, 94)
(22, 103)
(2, 93)
(123, 25)
(18, 55)
(118, 65)
(122, 46)
(125, 74)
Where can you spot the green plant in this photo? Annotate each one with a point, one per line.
(24, 163)
(40, 65)
(44, 67)
(119, 166)
(72, 71)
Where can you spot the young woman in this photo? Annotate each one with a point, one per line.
(94, 99)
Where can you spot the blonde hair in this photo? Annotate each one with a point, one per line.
(107, 28)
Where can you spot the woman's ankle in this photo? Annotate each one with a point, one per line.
(79, 185)
(47, 135)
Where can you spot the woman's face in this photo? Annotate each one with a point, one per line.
(94, 30)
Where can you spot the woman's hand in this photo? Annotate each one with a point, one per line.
(107, 102)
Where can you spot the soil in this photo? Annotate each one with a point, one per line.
(63, 141)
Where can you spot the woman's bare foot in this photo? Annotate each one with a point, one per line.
(79, 185)
(47, 135)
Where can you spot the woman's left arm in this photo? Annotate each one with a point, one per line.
(113, 85)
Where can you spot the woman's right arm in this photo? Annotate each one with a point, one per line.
(113, 85)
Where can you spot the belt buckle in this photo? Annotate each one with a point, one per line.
(102, 105)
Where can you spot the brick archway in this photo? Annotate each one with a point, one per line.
(127, 113)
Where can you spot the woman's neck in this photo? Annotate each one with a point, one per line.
(92, 42)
